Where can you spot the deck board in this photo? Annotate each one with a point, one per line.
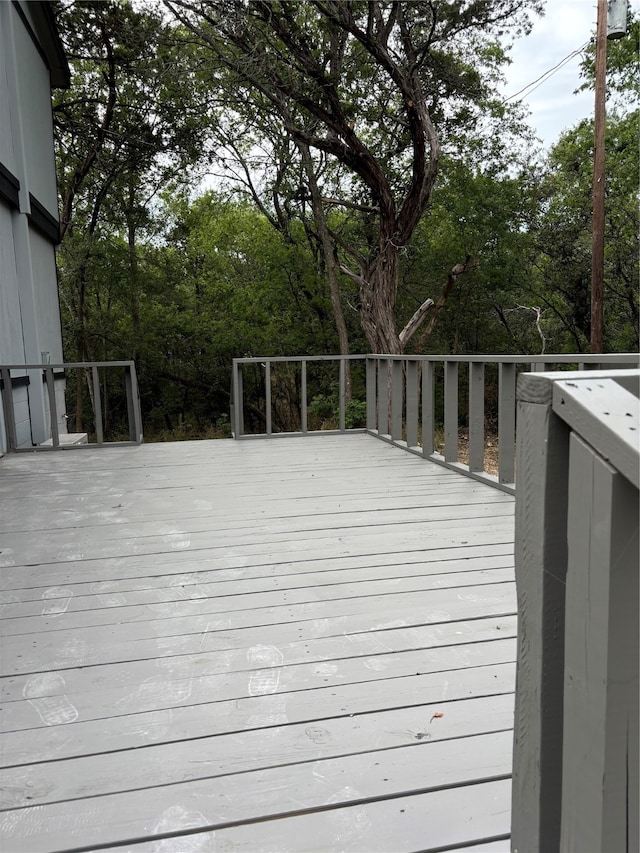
(288, 645)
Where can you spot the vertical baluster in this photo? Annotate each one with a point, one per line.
(428, 406)
(53, 409)
(341, 387)
(412, 402)
(396, 399)
(97, 403)
(371, 381)
(267, 395)
(476, 416)
(383, 396)
(506, 422)
(451, 411)
(133, 403)
(8, 409)
(303, 404)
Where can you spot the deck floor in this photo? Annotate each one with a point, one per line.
(303, 644)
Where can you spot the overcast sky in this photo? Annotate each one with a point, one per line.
(566, 26)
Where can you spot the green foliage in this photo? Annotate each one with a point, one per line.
(153, 268)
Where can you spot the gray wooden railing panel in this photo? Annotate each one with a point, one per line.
(600, 749)
(48, 373)
(476, 416)
(412, 395)
(391, 403)
(451, 411)
(540, 561)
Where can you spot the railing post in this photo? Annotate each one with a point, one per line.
(506, 422)
(303, 393)
(383, 396)
(427, 408)
(97, 405)
(371, 383)
(396, 399)
(541, 565)
(53, 409)
(412, 402)
(451, 411)
(476, 416)
(600, 746)
(267, 395)
(341, 400)
(8, 409)
(133, 403)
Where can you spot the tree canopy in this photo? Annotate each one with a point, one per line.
(286, 177)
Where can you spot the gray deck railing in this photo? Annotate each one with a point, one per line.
(575, 782)
(53, 377)
(408, 397)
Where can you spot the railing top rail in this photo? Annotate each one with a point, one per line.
(602, 406)
(272, 358)
(66, 364)
(548, 358)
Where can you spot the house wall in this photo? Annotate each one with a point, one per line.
(30, 57)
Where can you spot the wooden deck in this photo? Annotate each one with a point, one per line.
(302, 644)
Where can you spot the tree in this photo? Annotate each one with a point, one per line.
(366, 85)
(562, 279)
(127, 124)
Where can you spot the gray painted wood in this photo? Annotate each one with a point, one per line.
(540, 562)
(420, 822)
(371, 386)
(476, 416)
(606, 415)
(428, 406)
(383, 397)
(451, 411)
(506, 422)
(267, 398)
(303, 397)
(600, 752)
(397, 399)
(296, 786)
(220, 622)
(413, 402)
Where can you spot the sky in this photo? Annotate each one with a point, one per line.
(566, 26)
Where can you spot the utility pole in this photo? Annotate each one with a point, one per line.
(597, 243)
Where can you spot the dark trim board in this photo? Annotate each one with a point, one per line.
(43, 221)
(9, 187)
(17, 382)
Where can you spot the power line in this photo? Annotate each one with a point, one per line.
(531, 87)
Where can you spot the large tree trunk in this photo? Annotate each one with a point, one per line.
(378, 290)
